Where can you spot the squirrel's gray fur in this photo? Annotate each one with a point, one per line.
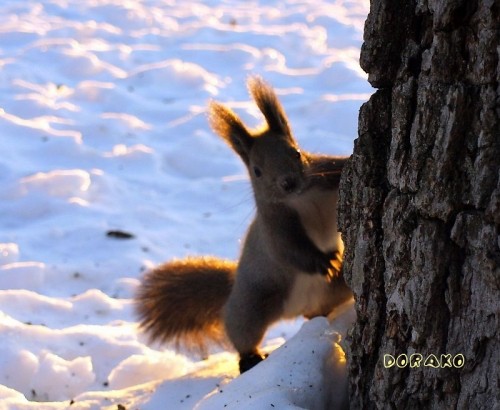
(291, 259)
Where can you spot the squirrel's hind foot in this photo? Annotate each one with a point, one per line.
(249, 360)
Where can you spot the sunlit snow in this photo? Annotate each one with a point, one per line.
(103, 128)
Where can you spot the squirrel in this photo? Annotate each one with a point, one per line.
(291, 258)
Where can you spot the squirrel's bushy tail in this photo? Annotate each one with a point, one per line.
(182, 301)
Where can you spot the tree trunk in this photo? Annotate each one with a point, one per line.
(420, 209)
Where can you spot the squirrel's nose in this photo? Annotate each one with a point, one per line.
(288, 184)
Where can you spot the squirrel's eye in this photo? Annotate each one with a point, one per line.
(298, 154)
(257, 172)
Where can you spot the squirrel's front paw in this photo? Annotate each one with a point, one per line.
(331, 264)
(323, 266)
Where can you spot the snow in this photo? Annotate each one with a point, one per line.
(103, 128)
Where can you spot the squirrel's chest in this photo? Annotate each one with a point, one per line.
(318, 214)
(307, 296)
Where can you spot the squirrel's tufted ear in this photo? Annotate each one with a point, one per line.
(269, 105)
(227, 125)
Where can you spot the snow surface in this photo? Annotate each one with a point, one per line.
(103, 128)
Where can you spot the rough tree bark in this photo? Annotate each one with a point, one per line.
(420, 207)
